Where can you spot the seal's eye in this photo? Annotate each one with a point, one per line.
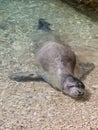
(71, 86)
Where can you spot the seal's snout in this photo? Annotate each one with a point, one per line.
(76, 92)
(81, 93)
(81, 88)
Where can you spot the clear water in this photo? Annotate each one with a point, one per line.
(18, 24)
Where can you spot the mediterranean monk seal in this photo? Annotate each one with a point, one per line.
(56, 63)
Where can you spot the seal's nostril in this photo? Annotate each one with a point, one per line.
(81, 93)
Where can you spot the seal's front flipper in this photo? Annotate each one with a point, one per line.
(25, 76)
(83, 69)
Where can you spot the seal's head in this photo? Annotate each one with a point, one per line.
(73, 86)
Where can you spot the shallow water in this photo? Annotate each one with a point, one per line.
(34, 106)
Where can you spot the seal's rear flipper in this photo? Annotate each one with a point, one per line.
(43, 25)
(25, 76)
(83, 69)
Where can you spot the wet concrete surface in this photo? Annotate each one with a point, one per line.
(36, 105)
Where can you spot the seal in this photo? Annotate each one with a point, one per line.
(56, 62)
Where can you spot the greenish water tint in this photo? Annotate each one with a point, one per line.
(19, 18)
(35, 105)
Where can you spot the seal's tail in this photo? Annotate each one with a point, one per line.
(43, 25)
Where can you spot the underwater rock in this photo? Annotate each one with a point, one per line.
(91, 3)
(88, 3)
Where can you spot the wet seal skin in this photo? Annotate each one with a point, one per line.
(56, 62)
